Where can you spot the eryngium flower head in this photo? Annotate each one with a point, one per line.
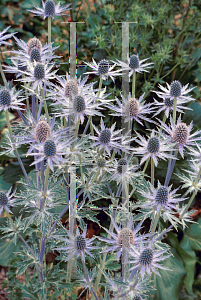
(107, 138)
(71, 88)
(33, 43)
(78, 244)
(125, 237)
(154, 147)
(161, 198)
(9, 99)
(134, 64)
(5, 201)
(179, 133)
(103, 69)
(132, 109)
(124, 169)
(50, 9)
(175, 91)
(167, 106)
(35, 55)
(3, 37)
(52, 151)
(42, 131)
(81, 105)
(147, 259)
(39, 74)
(33, 51)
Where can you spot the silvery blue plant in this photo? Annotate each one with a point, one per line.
(97, 162)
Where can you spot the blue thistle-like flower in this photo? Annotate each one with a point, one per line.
(35, 55)
(71, 87)
(39, 71)
(180, 134)
(122, 166)
(49, 148)
(42, 131)
(146, 257)
(103, 67)
(153, 145)
(49, 8)
(3, 198)
(134, 62)
(79, 104)
(33, 43)
(6, 201)
(105, 136)
(175, 88)
(162, 195)
(5, 97)
(80, 242)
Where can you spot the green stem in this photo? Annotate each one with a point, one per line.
(3, 76)
(100, 85)
(133, 84)
(46, 179)
(152, 171)
(156, 221)
(16, 152)
(174, 110)
(45, 106)
(145, 166)
(49, 29)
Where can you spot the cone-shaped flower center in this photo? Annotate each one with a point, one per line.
(132, 107)
(5, 97)
(3, 198)
(39, 71)
(101, 162)
(50, 8)
(125, 237)
(79, 104)
(35, 55)
(122, 166)
(153, 144)
(181, 134)
(146, 257)
(71, 88)
(42, 131)
(34, 43)
(80, 243)
(49, 148)
(134, 62)
(137, 297)
(105, 136)
(162, 195)
(169, 102)
(103, 67)
(175, 88)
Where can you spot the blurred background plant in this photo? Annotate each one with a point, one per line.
(169, 33)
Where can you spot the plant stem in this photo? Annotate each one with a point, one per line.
(45, 103)
(3, 76)
(16, 152)
(145, 166)
(152, 171)
(49, 29)
(133, 84)
(156, 220)
(174, 110)
(46, 179)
